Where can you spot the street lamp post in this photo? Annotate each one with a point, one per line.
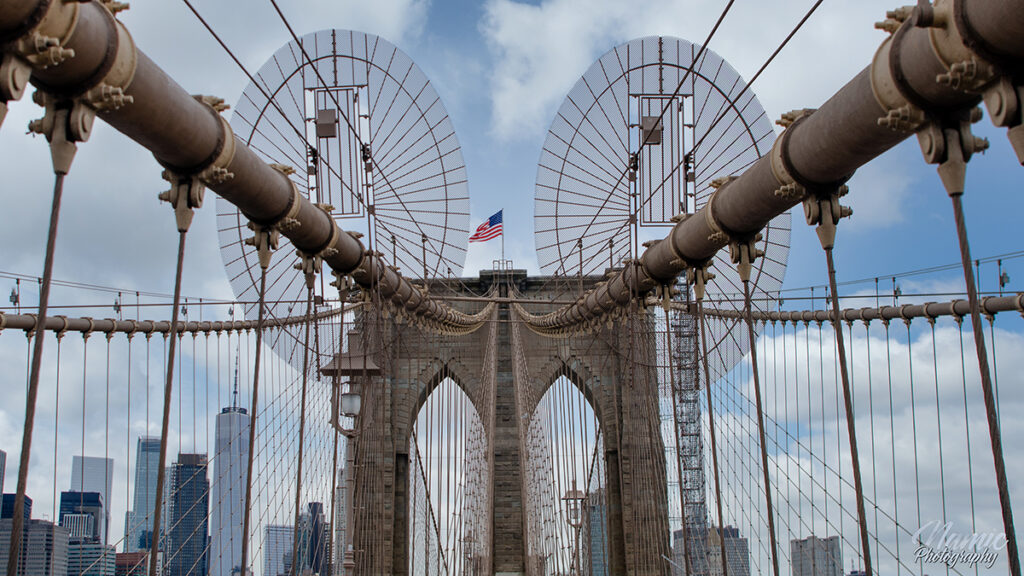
(574, 507)
(347, 404)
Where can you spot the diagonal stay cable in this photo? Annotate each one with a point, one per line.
(668, 104)
(767, 62)
(323, 82)
(348, 122)
(721, 116)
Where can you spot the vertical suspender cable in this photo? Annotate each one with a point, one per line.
(703, 353)
(335, 416)
(760, 427)
(17, 521)
(848, 400)
(302, 430)
(56, 423)
(246, 515)
(986, 387)
(168, 389)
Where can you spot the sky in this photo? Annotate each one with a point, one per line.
(501, 68)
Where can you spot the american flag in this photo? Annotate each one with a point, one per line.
(488, 230)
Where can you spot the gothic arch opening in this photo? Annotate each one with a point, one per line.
(449, 479)
(565, 483)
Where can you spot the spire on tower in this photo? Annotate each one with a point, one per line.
(234, 396)
(234, 407)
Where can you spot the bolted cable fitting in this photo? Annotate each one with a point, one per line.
(186, 195)
(115, 7)
(1005, 104)
(743, 253)
(310, 265)
(904, 118)
(216, 172)
(214, 102)
(698, 277)
(14, 76)
(950, 144)
(665, 293)
(920, 15)
(344, 284)
(106, 97)
(721, 181)
(960, 73)
(790, 118)
(367, 157)
(265, 239)
(64, 123)
(824, 211)
(43, 51)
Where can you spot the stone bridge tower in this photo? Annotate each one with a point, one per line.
(505, 368)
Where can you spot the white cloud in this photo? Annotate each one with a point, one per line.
(878, 195)
(906, 471)
(540, 51)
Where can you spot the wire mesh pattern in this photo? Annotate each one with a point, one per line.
(368, 136)
(636, 445)
(591, 212)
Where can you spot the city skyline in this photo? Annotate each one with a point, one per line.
(227, 499)
(189, 525)
(502, 66)
(277, 548)
(814, 556)
(125, 494)
(139, 520)
(95, 474)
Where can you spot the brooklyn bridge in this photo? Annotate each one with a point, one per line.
(650, 398)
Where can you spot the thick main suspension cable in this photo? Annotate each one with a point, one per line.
(820, 148)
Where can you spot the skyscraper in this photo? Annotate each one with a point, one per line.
(91, 559)
(706, 552)
(319, 540)
(299, 553)
(7, 506)
(277, 543)
(597, 533)
(186, 553)
(139, 524)
(3, 469)
(82, 514)
(737, 551)
(695, 545)
(94, 474)
(228, 494)
(815, 556)
(44, 548)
